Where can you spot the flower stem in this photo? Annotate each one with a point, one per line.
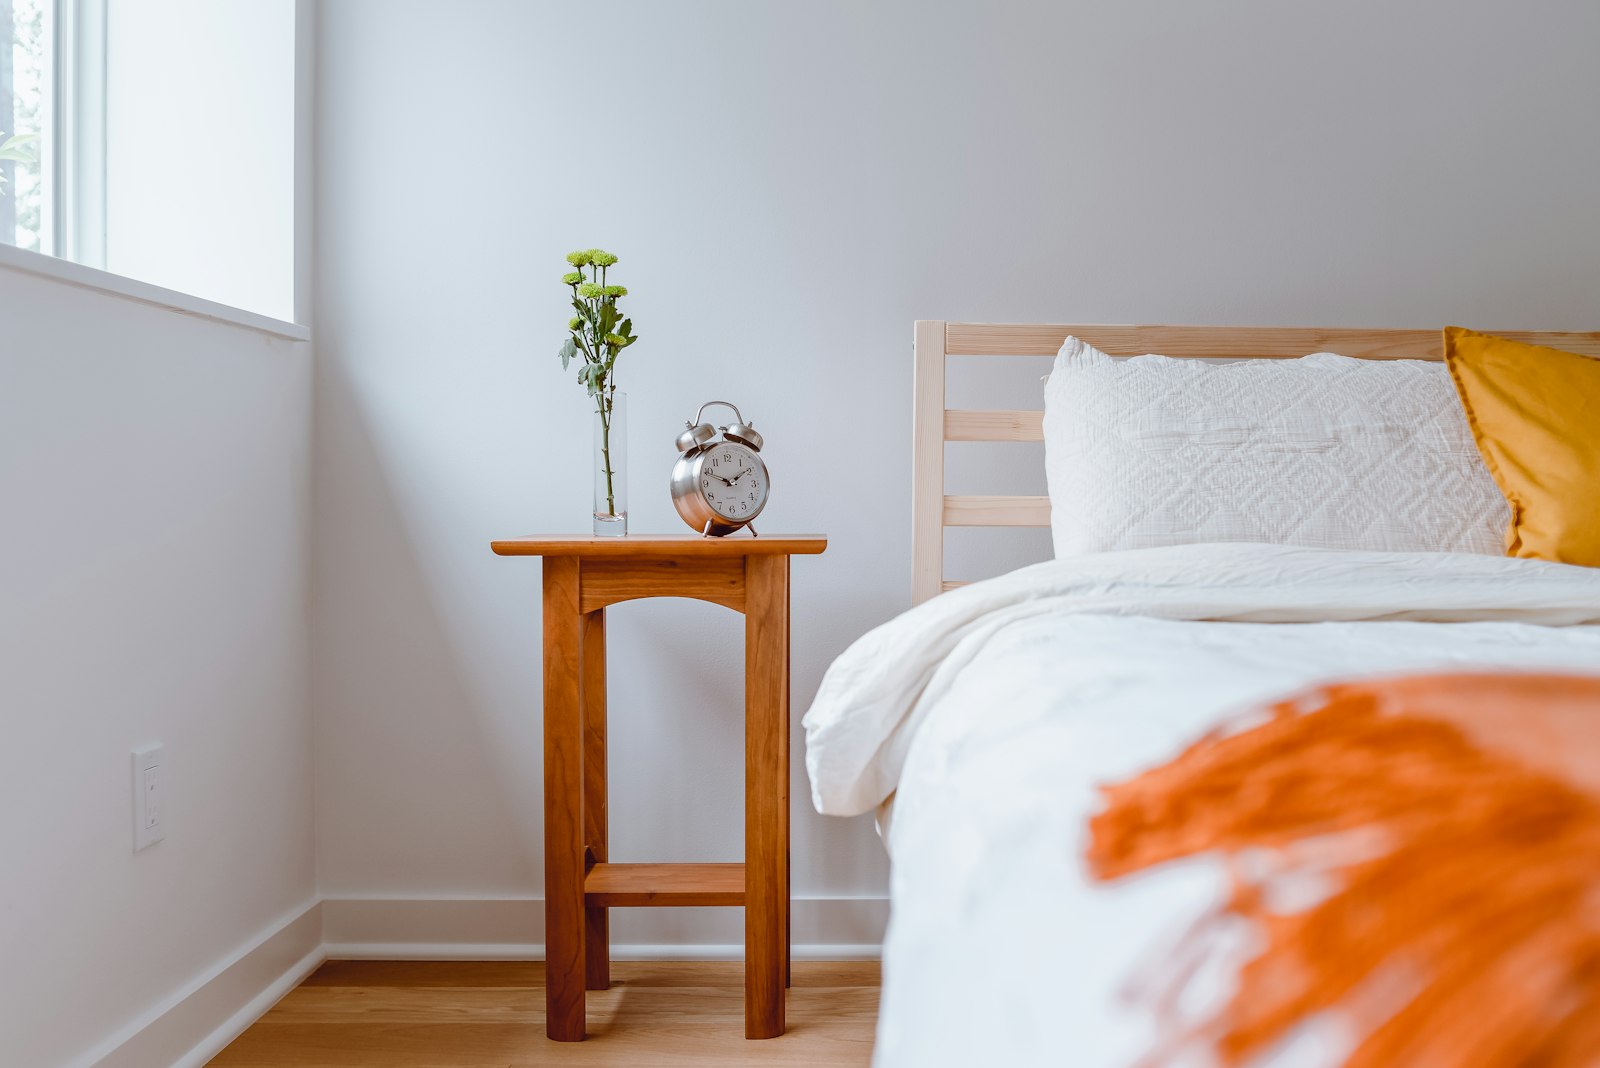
(606, 408)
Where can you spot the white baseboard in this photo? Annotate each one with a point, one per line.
(257, 1007)
(535, 951)
(824, 928)
(192, 1025)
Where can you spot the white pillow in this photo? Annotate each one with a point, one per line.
(1323, 451)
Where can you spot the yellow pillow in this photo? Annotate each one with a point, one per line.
(1535, 413)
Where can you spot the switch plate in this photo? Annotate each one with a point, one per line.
(149, 796)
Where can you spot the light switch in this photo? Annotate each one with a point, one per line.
(149, 796)
(152, 797)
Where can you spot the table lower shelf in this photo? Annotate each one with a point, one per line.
(663, 885)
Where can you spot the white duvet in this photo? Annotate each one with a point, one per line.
(990, 713)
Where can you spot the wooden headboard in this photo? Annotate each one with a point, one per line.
(933, 424)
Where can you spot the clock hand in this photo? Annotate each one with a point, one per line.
(740, 475)
(719, 478)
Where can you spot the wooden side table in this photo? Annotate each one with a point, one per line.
(582, 576)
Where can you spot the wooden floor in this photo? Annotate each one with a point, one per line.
(409, 1014)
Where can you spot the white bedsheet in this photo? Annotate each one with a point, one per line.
(995, 709)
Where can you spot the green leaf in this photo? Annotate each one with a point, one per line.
(20, 147)
(569, 349)
(626, 330)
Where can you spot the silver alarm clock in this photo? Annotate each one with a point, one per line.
(719, 483)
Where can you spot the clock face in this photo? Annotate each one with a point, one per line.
(733, 481)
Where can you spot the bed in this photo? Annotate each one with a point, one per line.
(979, 724)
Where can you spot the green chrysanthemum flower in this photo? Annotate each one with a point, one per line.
(616, 291)
(616, 340)
(589, 290)
(574, 322)
(572, 278)
(579, 258)
(601, 258)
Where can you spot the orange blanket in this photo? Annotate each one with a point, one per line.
(1451, 825)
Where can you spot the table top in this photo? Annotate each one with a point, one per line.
(660, 545)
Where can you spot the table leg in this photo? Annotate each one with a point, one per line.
(766, 807)
(597, 924)
(788, 864)
(563, 801)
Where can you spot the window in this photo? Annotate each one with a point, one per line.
(154, 139)
(199, 148)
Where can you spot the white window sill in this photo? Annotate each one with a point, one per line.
(77, 274)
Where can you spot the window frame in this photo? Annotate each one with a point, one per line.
(79, 132)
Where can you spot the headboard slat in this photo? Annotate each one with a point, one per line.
(973, 425)
(1213, 342)
(997, 511)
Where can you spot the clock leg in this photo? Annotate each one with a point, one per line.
(766, 819)
(563, 801)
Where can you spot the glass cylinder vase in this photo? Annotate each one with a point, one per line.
(611, 464)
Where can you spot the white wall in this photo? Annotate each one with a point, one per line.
(200, 148)
(153, 550)
(789, 186)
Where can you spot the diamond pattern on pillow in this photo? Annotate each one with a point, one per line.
(1324, 451)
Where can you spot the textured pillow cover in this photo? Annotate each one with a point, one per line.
(1323, 451)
